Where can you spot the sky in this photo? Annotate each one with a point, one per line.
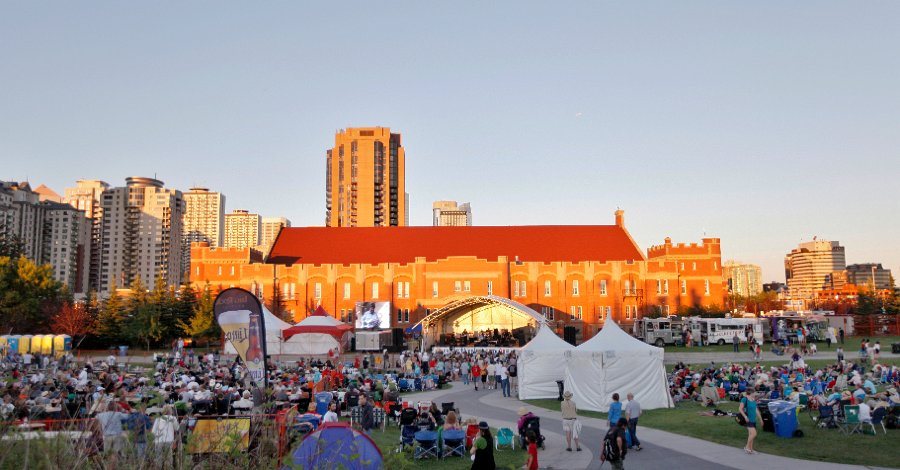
(762, 123)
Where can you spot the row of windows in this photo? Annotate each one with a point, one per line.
(694, 266)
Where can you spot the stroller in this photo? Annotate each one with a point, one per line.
(533, 424)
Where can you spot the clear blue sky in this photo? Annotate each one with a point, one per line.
(763, 123)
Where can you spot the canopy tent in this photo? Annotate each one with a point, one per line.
(615, 362)
(541, 363)
(319, 333)
(274, 327)
(337, 445)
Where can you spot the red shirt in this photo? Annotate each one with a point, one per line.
(532, 451)
(476, 371)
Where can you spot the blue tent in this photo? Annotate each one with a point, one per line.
(337, 445)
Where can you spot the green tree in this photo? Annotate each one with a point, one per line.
(27, 291)
(202, 324)
(111, 318)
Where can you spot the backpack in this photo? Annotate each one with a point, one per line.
(511, 370)
(611, 447)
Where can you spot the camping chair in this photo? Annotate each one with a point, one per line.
(408, 417)
(407, 436)
(426, 445)
(878, 418)
(826, 418)
(505, 437)
(417, 383)
(448, 407)
(851, 424)
(803, 402)
(404, 385)
(378, 416)
(454, 443)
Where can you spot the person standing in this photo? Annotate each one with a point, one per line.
(367, 415)
(841, 335)
(483, 449)
(840, 354)
(571, 425)
(464, 371)
(615, 411)
(735, 341)
(476, 374)
(632, 413)
(513, 371)
(748, 411)
(614, 446)
(503, 375)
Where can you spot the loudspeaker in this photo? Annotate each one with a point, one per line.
(399, 341)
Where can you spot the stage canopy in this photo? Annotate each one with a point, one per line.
(478, 313)
(615, 362)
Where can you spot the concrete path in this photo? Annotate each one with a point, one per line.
(661, 449)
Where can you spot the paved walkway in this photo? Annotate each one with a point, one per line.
(661, 449)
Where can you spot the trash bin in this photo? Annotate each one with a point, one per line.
(784, 414)
(123, 351)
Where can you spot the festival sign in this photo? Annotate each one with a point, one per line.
(239, 314)
(211, 435)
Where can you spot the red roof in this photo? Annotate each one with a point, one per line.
(373, 245)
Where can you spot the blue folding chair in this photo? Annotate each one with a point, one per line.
(454, 443)
(426, 445)
(407, 437)
(418, 384)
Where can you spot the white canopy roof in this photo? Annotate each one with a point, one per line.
(274, 325)
(546, 340)
(320, 320)
(612, 338)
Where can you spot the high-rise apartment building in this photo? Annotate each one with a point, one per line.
(85, 196)
(67, 245)
(742, 279)
(242, 229)
(270, 228)
(365, 180)
(807, 267)
(26, 218)
(6, 210)
(451, 214)
(141, 234)
(204, 221)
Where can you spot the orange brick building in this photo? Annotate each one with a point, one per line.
(573, 275)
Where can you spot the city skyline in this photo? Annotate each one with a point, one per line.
(739, 130)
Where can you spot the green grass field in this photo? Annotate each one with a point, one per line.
(388, 442)
(828, 445)
(851, 343)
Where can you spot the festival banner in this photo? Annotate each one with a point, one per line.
(239, 314)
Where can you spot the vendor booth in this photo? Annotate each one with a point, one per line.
(615, 362)
(317, 334)
(541, 363)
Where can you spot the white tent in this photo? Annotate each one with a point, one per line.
(274, 341)
(615, 362)
(541, 363)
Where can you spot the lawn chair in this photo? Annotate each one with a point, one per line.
(851, 424)
(448, 407)
(878, 418)
(407, 437)
(405, 385)
(454, 443)
(505, 437)
(378, 416)
(802, 402)
(826, 418)
(408, 417)
(394, 410)
(417, 383)
(426, 445)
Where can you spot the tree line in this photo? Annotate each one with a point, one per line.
(32, 302)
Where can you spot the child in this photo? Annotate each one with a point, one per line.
(532, 462)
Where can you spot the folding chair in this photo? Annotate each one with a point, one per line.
(448, 407)
(851, 424)
(426, 445)
(878, 418)
(505, 437)
(826, 418)
(454, 443)
(407, 437)
(378, 416)
(803, 402)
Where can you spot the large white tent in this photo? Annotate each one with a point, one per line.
(274, 340)
(615, 362)
(317, 334)
(541, 363)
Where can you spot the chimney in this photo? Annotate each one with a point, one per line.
(620, 218)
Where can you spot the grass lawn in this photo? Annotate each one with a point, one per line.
(817, 444)
(814, 363)
(388, 440)
(851, 344)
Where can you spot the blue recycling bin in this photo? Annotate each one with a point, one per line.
(784, 416)
(323, 399)
(123, 351)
